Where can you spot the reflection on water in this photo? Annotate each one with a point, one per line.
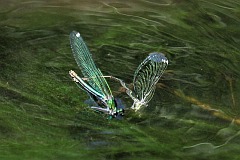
(194, 112)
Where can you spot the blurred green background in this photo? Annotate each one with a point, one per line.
(194, 113)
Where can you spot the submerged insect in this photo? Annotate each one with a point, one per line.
(145, 79)
(93, 82)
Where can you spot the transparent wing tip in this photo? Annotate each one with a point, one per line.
(75, 33)
(158, 57)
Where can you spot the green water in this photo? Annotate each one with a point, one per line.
(194, 113)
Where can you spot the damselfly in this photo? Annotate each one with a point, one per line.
(145, 79)
(93, 82)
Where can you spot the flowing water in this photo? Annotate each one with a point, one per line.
(194, 114)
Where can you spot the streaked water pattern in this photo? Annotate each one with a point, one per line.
(194, 113)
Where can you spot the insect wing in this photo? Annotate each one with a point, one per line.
(147, 75)
(89, 70)
(86, 87)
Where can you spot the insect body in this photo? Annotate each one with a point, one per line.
(93, 82)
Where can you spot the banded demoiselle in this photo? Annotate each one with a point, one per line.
(145, 79)
(93, 82)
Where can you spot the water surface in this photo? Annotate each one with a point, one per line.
(195, 110)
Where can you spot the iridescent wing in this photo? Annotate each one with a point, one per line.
(96, 83)
(146, 76)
